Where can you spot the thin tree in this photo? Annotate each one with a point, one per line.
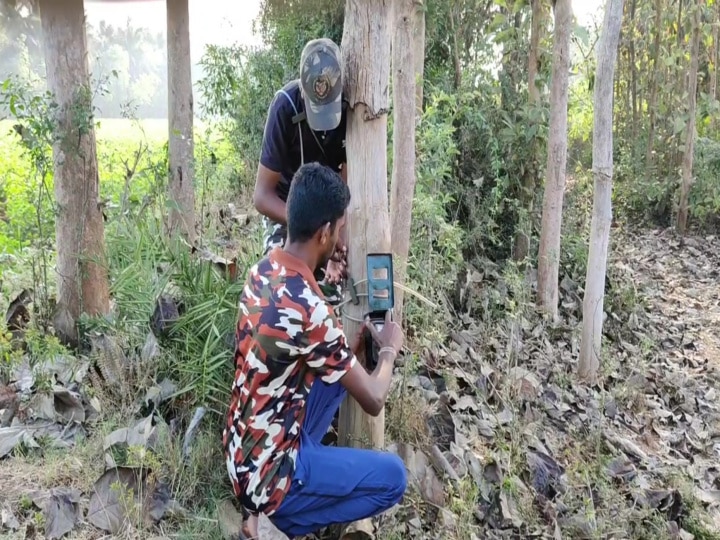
(419, 55)
(403, 170)
(82, 278)
(181, 191)
(654, 83)
(521, 246)
(549, 251)
(602, 207)
(687, 162)
(714, 60)
(714, 57)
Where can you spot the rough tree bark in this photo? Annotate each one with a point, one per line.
(419, 56)
(633, 76)
(521, 246)
(181, 192)
(687, 162)
(455, 49)
(82, 279)
(366, 59)
(549, 252)
(680, 85)
(652, 103)
(714, 53)
(714, 68)
(602, 207)
(403, 170)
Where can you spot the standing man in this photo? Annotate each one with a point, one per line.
(306, 123)
(294, 365)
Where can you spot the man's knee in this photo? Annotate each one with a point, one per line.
(393, 470)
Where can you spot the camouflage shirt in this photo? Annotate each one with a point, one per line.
(287, 336)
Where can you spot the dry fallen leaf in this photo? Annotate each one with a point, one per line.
(8, 520)
(509, 510)
(10, 437)
(421, 475)
(143, 434)
(108, 504)
(60, 508)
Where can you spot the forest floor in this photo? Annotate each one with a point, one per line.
(499, 438)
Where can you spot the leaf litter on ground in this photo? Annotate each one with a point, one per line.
(505, 416)
(505, 390)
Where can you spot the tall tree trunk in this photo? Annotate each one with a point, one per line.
(549, 252)
(180, 115)
(652, 103)
(521, 246)
(602, 206)
(618, 116)
(714, 67)
(680, 32)
(633, 78)
(687, 163)
(419, 56)
(82, 279)
(680, 87)
(366, 57)
(510, 74)
(403, 171)
(455, 48)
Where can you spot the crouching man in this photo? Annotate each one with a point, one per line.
(294, 365)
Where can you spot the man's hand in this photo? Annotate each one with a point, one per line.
(340, 253)
(336, 269)
(390, 336)
(335, 272)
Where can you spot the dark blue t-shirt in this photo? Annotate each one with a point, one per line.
(281, 140)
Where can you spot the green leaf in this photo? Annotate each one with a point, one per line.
(678, 125)
(582, 34)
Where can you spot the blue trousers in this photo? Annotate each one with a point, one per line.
(333, 484)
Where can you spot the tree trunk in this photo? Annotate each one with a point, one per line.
(510, 74)
(714, 67)
(687, 163)
(652, 103)
(549, 253)
(680, 86)
(82, 280)
(403, 171)
(455, 49)
(419, 56)
(633, 79)
(366, 57)
(521, 246)
(602, 207)
(180, 116)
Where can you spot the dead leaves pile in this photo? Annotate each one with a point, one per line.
(124, 498)
(48, 405)
(515, 446)
(519, 448)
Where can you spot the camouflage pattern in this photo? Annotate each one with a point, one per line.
(287, 336)
(274, 237)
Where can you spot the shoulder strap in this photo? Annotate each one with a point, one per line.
(296, 120)
(299, 117)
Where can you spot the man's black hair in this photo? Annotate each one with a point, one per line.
(317, 196)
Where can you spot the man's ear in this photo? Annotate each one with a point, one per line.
(325, 233)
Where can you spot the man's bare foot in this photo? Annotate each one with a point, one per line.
(250, 527)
